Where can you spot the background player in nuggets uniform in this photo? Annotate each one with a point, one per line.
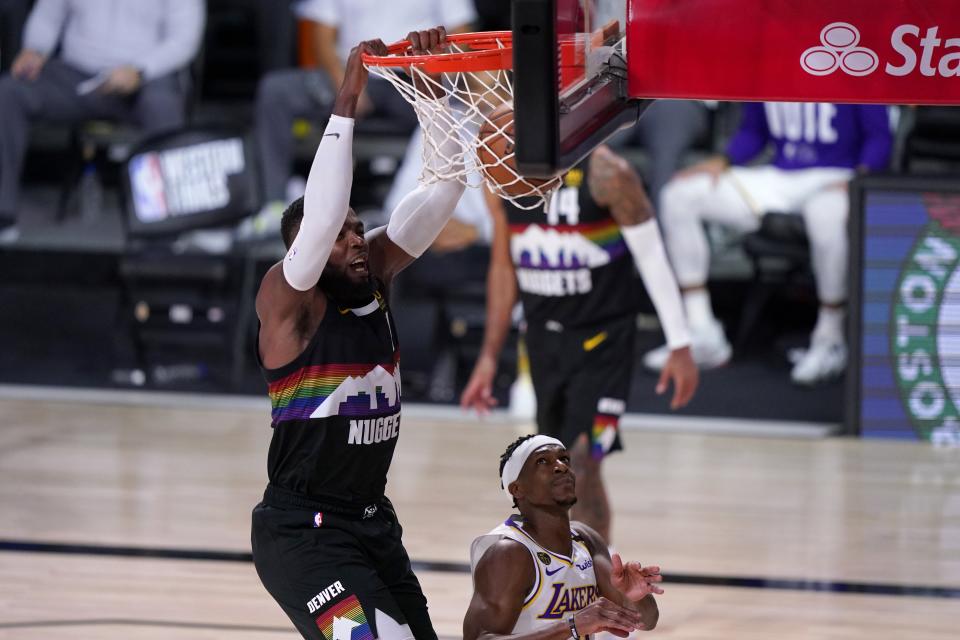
(580, 297)
(538, 575)
(326, 541)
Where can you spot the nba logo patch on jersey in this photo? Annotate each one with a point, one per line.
(317, 520)
(345, 621)
(544, 558)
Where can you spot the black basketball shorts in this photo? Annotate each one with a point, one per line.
(582, 377)
(339, 576)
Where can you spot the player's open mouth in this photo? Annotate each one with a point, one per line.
(360, 265)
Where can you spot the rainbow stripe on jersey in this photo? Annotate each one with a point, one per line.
(356, 390)
(603, 434)
(346, 618)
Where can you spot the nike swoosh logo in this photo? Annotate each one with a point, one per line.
(335, 135)
(555, 571)
(592, 343)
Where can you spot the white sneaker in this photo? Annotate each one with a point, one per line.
(822, 361)
(709, 348)
(264, 224)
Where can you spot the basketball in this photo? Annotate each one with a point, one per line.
(495, 154)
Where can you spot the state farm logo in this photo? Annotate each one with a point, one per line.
(838, 50)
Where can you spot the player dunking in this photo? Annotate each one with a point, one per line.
(572, 264)
(326, 541)
(541, 577)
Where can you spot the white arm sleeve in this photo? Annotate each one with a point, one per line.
(422, 214)
(325, 205)
(425, 211)
(646, 245)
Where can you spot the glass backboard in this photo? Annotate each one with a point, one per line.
(570, 80)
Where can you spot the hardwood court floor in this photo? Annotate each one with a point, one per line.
(806, 516)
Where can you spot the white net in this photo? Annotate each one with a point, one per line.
(467, 122)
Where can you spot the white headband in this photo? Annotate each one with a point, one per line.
(511, 470)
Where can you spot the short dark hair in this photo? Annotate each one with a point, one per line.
(509, 452)
(290, 222)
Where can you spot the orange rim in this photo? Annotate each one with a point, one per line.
(491, 51)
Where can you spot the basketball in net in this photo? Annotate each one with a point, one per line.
(463, 98)
(495, 157)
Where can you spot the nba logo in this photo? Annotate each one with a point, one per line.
(147, 188)
(317, 520)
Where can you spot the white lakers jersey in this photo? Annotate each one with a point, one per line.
(563, 584)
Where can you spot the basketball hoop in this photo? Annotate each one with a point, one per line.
(475, 71)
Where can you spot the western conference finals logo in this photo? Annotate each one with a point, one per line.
(925, 325)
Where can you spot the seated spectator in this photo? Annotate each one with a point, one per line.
(285, 95)
(117, 61)
(817, 149)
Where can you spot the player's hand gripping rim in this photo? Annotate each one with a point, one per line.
(355, 77)
(428, 42)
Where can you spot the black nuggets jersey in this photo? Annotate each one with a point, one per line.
(573, 265)
(336, 408)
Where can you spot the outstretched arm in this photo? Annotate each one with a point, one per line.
(290, 284)
(424, 212)
(614, 184)
(327, 197)
(501, 296)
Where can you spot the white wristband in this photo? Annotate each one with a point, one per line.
(646, 245)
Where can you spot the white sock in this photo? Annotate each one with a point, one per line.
(696, 302)
(829, 327)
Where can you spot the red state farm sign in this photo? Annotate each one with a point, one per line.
(886, 51)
